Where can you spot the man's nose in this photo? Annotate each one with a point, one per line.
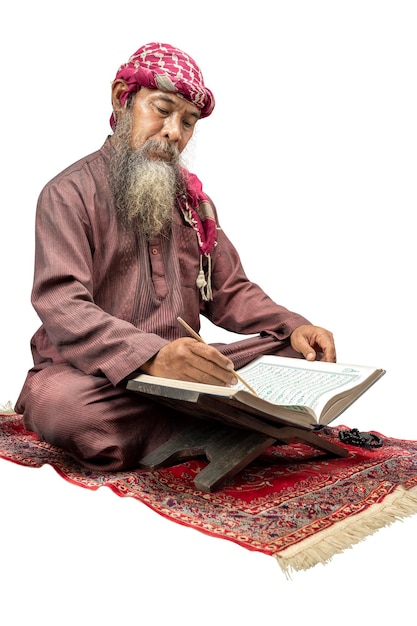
(172, 129)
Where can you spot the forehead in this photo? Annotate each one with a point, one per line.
(174, 100)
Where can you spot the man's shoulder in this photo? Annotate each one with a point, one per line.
(86, 166)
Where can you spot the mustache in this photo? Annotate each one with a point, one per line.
(152, 145)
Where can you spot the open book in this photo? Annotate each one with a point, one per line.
(289, 391)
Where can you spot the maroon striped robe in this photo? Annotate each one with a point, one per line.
(108, 301)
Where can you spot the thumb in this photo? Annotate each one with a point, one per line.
(309, 354)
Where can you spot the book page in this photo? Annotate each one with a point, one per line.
(301, 383)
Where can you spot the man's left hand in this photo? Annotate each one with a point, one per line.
(314, 343)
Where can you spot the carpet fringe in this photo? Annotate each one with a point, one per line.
(320, 548)
(7, 408)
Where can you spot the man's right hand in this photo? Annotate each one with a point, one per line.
(191, 360)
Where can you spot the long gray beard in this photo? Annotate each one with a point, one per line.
(144, 189)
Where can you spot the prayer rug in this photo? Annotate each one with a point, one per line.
(293, 503)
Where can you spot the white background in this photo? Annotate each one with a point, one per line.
(310, 157)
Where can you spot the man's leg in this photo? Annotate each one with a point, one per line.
(107, 427)
(98, 424)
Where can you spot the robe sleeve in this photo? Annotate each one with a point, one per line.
(75, 329)
(242, 306)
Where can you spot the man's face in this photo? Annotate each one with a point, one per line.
(145, 170)
(164, 117)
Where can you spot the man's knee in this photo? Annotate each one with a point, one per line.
(98, 424)
(79, 413)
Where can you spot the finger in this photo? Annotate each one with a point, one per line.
(189, 359)
(309, 354)
(206, 371)
(324, 343)
(209, 353)
(329, 355)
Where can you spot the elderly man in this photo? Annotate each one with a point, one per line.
(127, 241)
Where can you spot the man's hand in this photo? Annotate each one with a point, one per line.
(188, 359)
(314, 343)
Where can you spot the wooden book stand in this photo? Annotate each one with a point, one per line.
(229, 439)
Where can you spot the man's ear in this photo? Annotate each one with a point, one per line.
(119, 86)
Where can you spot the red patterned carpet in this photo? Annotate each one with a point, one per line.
(292, 503)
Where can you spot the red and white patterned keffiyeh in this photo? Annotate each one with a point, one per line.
(198, 212)
(161, 66)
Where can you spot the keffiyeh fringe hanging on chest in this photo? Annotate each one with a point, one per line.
(198, 212)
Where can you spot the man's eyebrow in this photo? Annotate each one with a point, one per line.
(169, 100)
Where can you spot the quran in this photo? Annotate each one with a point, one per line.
(288, 391)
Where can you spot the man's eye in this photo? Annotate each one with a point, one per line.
(162, 111)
